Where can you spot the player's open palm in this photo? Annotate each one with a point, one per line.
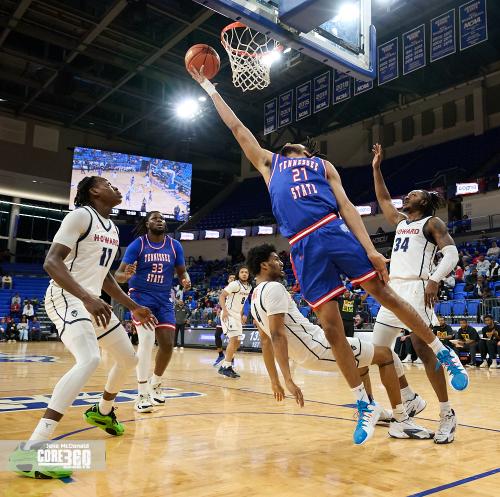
(100, 310)
(377, 155)
(198, 76)
(145, 317)
(296, 392)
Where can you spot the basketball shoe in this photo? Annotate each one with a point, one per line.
(219, 360)
(415, 405)
(25, 463)
(368, 415)
(408, 429)
(156, 395)
(459, 379)
(447, 427)
(143, 403)
(228, 372)
(106, 422)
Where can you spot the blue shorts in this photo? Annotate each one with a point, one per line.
(320, 255)
(161, 306)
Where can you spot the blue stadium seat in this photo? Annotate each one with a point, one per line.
(459, 308)
(472, 306)
(446, 308)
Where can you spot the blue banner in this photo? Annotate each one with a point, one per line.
(270, 116)
(362, 86)
(321, 92)
(473, 23)
(341, 87)
(285, 109)
(388, 67)
(303, 101)
(443, 40)
(414, 49)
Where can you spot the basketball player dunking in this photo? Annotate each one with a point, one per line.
(232, 300)
(419, 235)
(78, 261)
(148, 265)
(285, 333)
(307, 198)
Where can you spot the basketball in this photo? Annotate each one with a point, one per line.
(199, 56)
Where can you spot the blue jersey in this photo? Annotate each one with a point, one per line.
(155, 265)
(300, 193)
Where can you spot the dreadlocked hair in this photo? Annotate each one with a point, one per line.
(82, 196)
(433, 202)
(312, 148)
(257, 255)
(141, 229)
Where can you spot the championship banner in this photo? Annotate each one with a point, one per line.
(321, 92)
(341, 87)
(414, 49)
(388, 67)
(270, 116)
(362, 86)
(303, 101)
(473, 23)
(443, 42)
(285, 109)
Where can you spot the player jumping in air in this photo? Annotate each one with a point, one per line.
(232, 300)
(419, 236)
(327, 238)
(148, 266)
(78, 261)
(285, 333)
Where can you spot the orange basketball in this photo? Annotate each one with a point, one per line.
(199, 56)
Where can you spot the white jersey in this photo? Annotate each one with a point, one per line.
(93, 241)
(238, 294)
(413, 254)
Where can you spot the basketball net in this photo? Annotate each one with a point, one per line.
(250, 54)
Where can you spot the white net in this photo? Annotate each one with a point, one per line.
(251, 54)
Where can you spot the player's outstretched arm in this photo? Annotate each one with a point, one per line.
(351, 217)
(258, 156)
(125, 272)
(392, 215)
(280, 346)
(142, 314)
(268, 356)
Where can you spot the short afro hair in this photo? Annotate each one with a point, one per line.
(257, 255)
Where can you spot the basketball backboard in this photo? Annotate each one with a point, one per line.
(337, 33)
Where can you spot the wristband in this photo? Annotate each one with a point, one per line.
(208, 87)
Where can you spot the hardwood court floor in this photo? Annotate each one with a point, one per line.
(235, 439)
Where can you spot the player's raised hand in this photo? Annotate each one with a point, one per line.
(379, 263)
(145, 317)
(377, 155)
(278, 392)
(100, 310)
(295, 391)
(198, 76)
(130, 270)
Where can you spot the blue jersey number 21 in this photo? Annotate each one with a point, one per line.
(401, 243)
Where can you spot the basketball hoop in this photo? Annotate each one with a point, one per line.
(251, 54)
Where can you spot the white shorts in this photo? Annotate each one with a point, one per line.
(233, 328)
(316, 354)
(413, 292)
(69, 315)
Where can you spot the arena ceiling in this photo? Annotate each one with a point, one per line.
(117, 67)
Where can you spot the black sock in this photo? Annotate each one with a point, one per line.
(221, 354)
(370, 397)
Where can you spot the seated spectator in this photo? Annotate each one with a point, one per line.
(459, 274)
(481, 289)
(494, 250)
(488, 345)
(404, 348)
(28, 310)
(35, 330)
(467, 339)
(360, 321)
(16, 299)
(471, 281)
(447, 286)
(483, 266)
(15, 309)
(443, 331)
(10, 330)
(494, 274)
(3, 330)
(23, 329)
(7, 282)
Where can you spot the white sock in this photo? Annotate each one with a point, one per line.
(105, 406)
(225, 364)
(399, 413)
(43, 431)
(360, 393)
(155, 379)
(444, 408)
(437, 346)
(142, 388)
(407, 393)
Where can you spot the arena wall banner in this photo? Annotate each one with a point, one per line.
(388, 64)
(443, 39)
(362, 86)
(473, 23)
(303, 101)
(414, 49)
(341, 87)
(270, 116)
(321, 92)
(285, 103)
